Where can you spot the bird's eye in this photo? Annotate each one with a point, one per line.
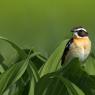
(82, 33)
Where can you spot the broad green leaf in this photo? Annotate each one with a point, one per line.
(15, 89)
(6, 92)
(21, 53)
(12, 75)
(2, 65)
(26, 89)
(53, 61)
(90, 66)
(35, 77)
(78, 90)
(71, 87)
(19, 88)
(76, 74)
(52, 84)
(34, 71)
(32, 86)
(36, 58)
(48, 86)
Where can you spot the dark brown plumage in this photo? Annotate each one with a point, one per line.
(66, 50)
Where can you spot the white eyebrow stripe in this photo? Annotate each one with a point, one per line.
(80, 29)
(76, 34)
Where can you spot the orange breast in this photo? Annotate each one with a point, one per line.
(82, 42)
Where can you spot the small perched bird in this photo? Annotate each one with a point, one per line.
(79, 46)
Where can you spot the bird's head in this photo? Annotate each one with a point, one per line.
(79, 32)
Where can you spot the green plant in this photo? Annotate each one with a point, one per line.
(33, 74)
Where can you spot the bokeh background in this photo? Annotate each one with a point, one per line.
(43, 24)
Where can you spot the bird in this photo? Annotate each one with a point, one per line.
(79, 46)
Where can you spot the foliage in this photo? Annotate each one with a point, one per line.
(33, 74)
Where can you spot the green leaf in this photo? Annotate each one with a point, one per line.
(34, 71)
(2, 65)
(36, 58)
(52, 63)
(71, 87)
(35, 77)
(90, 66)
(32, 86)
(12, 75)
(15, 89)
(21, 53)
(52, 84)
(77, 75)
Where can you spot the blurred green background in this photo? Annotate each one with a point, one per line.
(43, 24)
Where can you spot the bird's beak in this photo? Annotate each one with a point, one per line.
(75, 35)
